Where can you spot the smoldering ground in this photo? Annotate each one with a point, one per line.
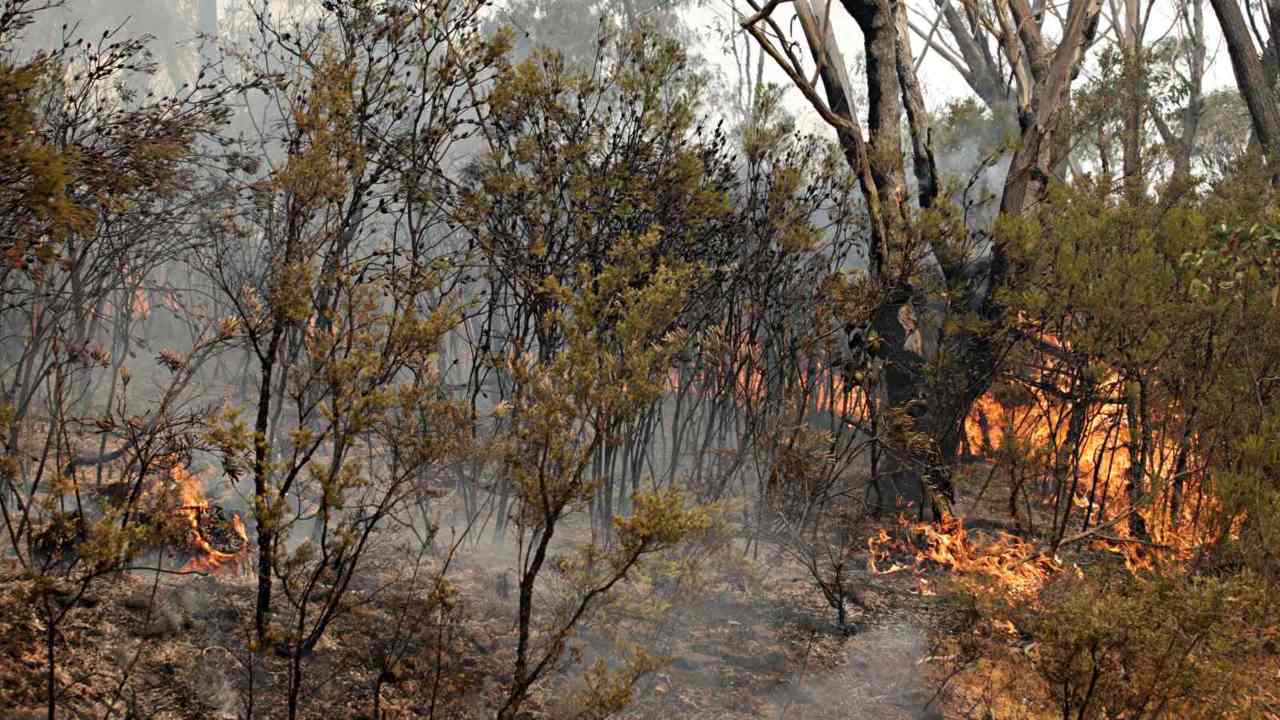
(736, 637)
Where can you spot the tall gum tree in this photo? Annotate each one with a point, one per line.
(930, 378)
(1253, 76)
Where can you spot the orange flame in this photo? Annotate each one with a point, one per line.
(1017, 565)
(205, 558)
(1011, 563)
(1036, 431)
(822, 388)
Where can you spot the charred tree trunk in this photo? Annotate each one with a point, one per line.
(261, 486)
(903, 408)
(902, 319)
(1135, 103)
(922, 400)
(1139, 447)
(1251, 77)
(521, 679)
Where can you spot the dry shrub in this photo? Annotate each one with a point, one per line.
(1111, 644)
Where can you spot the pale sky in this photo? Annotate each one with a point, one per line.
(939, 81)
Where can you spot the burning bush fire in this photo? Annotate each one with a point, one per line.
(1080, 451)
(430, 359)
(215, 539)
(1007, 562)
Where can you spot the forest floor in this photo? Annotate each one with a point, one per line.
(752, 639)
(167, 649)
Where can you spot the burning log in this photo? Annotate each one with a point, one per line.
(215, 539)
(207, 537)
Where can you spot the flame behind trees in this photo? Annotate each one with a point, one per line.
(612, 226)
(1125, 404)
(1138, 412)
(610, 252)
(1109, 422)
(88, 169)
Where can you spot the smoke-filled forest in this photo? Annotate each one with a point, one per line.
(569, 360)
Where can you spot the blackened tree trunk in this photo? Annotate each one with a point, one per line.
(261, 486)
(1251, 77)
(901, 320)
(924, 402)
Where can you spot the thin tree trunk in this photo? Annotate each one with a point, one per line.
(1135, 102)
(925, 166)
(261, 488)
(1139, 432)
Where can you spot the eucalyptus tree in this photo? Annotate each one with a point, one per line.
(928, 269)
(1250, 32)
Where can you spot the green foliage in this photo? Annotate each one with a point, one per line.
(619, 345)
(1224, 132)
(1236, 261)
(580, 164)
(975, 131)
(608, 216)
(606, 691)
(1113, 645)
(1168, 313)
(607, 245)
(34, 200)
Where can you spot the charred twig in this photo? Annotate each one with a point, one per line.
(1097, 529)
